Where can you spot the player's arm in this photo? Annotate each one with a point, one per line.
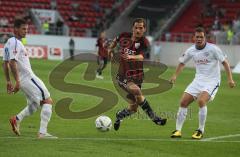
(97, 47)
(6, 70)
(138, 57)
(182, 61)
(14, 70)
(179, 69)
(221, 56)
(133, 57)
(226, 66)
(7, 76)
(111, 46)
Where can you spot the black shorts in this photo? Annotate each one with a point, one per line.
(104, 59)
(122, 82)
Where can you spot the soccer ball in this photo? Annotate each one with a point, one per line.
(103, 123)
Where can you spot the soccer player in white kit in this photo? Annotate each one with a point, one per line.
(17, 61)
(206, 57)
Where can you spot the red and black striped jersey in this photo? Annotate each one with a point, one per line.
(102, 48)
(131, 69)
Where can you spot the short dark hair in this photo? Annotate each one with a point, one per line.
(139, 20)
(19, 22)
(200, 29)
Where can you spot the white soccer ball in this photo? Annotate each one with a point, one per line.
(103, 123)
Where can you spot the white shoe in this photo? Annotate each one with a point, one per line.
(46, 136)
(99, 76)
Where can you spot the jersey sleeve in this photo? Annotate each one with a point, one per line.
(10, 51)
(97, 43)
(186, 56)
(219, 54)
(146, 48)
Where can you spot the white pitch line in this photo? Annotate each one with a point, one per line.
(220, 137)
(128, 139)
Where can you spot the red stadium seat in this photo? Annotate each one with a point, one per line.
(190, 18)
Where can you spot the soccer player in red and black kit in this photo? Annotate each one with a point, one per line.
(102, 54)
(130, 75)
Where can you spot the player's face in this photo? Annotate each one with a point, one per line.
(200, 39)
(22, 31)
(138, 29)
(103, 35)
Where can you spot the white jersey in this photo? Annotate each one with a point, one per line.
(31, 85)
(206, 61)
(14, 49)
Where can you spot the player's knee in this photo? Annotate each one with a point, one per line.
(139, 98)
(136, 92)
(184, 103)
(201, 102)
(134, 89)
(47, 101)
(133, 108)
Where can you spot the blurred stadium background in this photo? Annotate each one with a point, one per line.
(172, 22)
(170, 25)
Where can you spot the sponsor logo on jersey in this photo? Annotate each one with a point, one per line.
(137, 45)
(206, 54)
(202, 61)
(128, 51)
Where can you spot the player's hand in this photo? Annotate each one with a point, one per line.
(9, 87)
(173, 79)
(110, 54)
(231, 83)
(126, 56)
(16, 88)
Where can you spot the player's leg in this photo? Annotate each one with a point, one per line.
(131, 109)
(105, 60)
(45, 115)
(135, 90)
(100, 68)
(27, 111)
(28, 88)
(182, 113)
(202, 100)
(41, 95)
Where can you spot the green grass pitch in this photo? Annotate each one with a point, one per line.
(137, 135)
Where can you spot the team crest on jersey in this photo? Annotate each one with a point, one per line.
(206, 54)
(137, 45)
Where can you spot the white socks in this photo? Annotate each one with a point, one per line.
(181, 116)
(27, 111)
(45, 117)
(202, 115)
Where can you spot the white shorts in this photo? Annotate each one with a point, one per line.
(34, 89)
(197, 87)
